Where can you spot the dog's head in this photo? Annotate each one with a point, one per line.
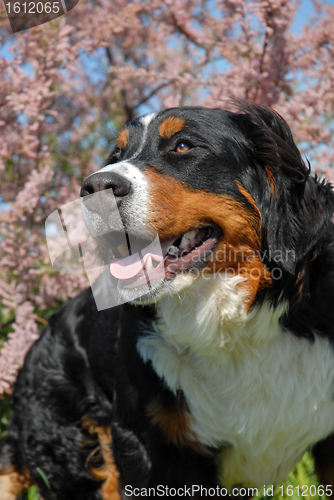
(228, 195)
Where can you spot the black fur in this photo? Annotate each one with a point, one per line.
(86, 364)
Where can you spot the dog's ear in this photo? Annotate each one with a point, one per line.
(271, 140)
(297, 221)
(297, 210)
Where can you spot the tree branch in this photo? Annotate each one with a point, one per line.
(128, 110)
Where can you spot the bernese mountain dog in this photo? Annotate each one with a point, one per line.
(222, 375)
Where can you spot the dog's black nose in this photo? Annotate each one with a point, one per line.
(106, 180)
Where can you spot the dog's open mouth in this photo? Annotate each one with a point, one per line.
(141, 262)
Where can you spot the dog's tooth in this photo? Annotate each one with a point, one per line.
(149, 264)
(190, 234)
(173, 250)
(184, 242)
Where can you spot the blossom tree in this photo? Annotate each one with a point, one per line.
(66, 87)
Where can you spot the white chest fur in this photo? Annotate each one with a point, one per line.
(264, 393)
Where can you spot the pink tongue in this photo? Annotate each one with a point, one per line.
(129, 267)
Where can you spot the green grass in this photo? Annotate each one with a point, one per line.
(4, 415)
(32, 494)
(302, 476)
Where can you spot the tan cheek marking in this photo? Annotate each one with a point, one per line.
(271, 178)
(123, 138)
(171, 126)
(13, 484)
(175, 208)
(251, 201)
(108, 472)
(175, 425)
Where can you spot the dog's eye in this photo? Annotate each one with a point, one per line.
(182, 147)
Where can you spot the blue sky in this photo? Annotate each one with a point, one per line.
(305, 12)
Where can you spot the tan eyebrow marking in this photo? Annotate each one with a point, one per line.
(171, 126)
(123, 138)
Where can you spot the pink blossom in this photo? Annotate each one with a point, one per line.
(67, 87)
